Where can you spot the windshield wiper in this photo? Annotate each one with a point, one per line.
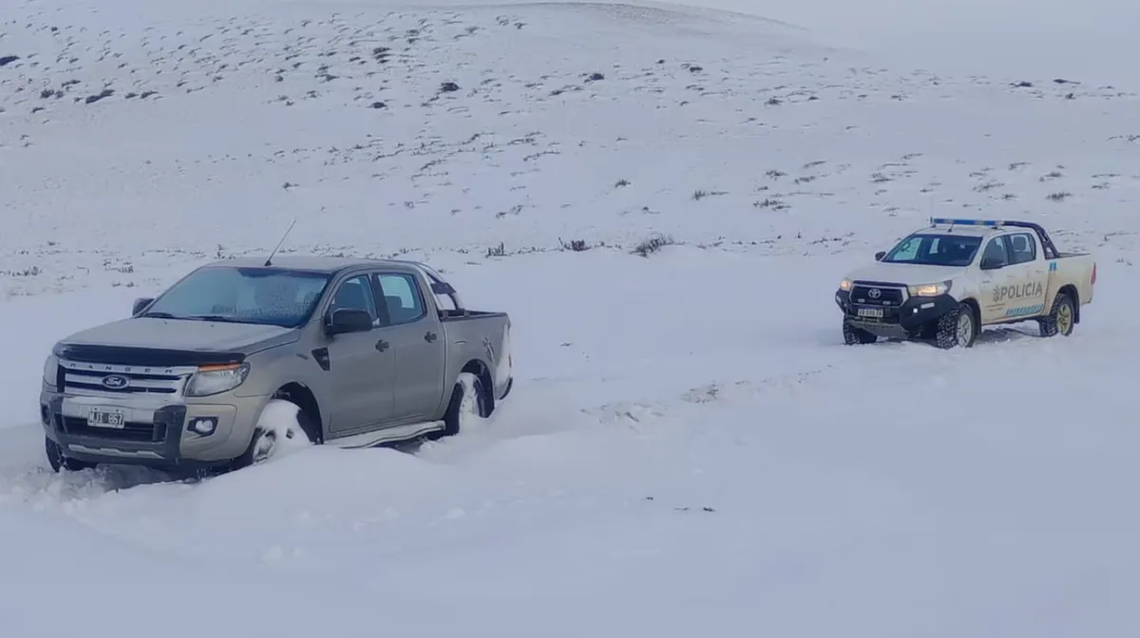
(221, 318)
(158, 315)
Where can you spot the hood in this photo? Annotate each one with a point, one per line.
(179, 334)
(907, 274)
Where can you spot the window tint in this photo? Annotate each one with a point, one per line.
(402, 298)
(355, 293)
(1023, 248)
(997, 251)
(935, 250)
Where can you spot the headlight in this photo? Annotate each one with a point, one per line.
(929, 290)
(845, 284)
(216, 379)
(51, 366)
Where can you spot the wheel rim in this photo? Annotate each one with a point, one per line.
(965, 328)
(266, 444)
(1064, 318)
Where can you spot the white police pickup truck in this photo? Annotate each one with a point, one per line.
(945, 282)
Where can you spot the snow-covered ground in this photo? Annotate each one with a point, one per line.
(689, 448)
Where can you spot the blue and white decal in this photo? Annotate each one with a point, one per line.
(1025, 311)
(1052, 266)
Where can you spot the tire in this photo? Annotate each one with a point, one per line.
(959, 327)
(264, 444)
(1062, 317)
(853, 335)
(463, 400)
(59, 462)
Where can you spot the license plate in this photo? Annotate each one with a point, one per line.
(106, 418)
(876, 313)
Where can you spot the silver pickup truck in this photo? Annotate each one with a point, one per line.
(364, 349)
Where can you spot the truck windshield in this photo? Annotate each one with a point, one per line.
(270, 296)
(935, 250)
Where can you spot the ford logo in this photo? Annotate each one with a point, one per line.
(115, 382)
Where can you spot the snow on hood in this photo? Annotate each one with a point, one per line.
(177, 334)
(908, 274)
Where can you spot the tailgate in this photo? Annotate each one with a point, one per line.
(1077, 269)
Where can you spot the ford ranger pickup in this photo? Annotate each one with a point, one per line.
(944, 283)
(368, 351)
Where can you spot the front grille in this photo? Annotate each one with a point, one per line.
(889, 295)
(131, 431)
(96, 379)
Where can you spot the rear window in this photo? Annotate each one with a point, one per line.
(935, 250)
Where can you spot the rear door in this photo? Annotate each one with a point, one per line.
(418, 345)
(361, 372)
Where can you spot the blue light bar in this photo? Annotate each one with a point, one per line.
(965, 222)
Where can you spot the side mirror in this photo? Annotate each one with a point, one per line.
(991, 263)
(346, 320)
(140, 304)
(879, 255)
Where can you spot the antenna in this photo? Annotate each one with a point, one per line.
(269, 259)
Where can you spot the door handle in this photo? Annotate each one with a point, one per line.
(381, 345)
(430, 336)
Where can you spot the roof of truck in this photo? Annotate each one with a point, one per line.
(311, 263)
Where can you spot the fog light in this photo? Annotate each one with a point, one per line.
(204, 426)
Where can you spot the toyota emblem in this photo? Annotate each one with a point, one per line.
(115, 382)
(874, 293)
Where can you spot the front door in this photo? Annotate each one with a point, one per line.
(419, 346)
(995, 283)
(361, 371)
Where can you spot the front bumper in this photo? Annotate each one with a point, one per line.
(154, 434)
(904, 321)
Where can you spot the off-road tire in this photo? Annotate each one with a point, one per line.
(1051, 324)
(451, 418)
(946, 336)
(853, 335)
(59, 462)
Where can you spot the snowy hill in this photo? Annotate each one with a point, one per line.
(689, 447)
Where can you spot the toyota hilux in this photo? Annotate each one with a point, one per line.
(945, 282)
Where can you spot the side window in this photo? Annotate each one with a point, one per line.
(355, 293)
(402, 297)
(996, 250)
(1023, 248)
